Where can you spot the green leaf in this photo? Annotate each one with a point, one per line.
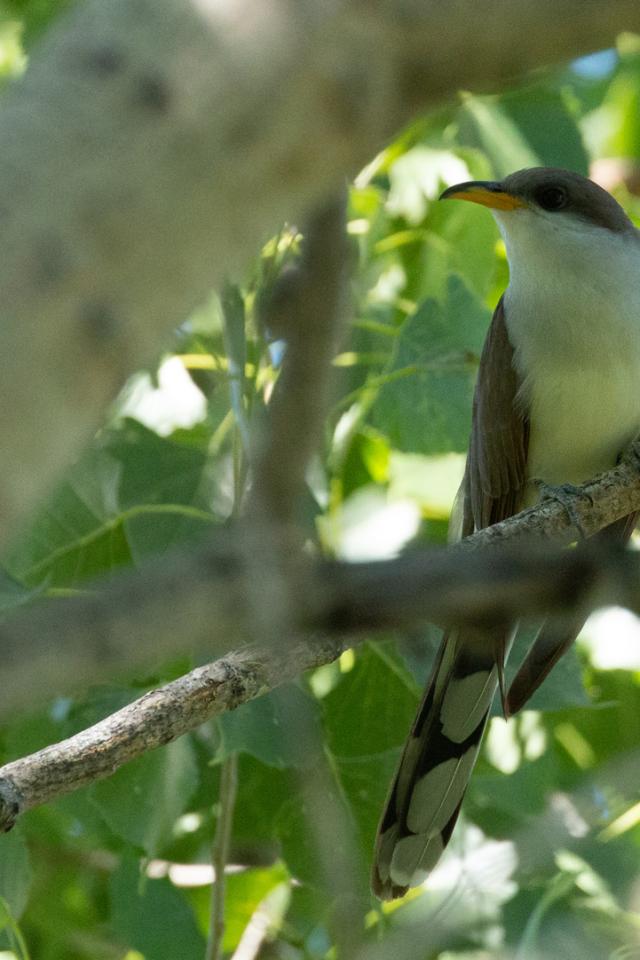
(469, 234)
(317, 806)
(263, 889)
(427, 407)
(366, 460)
(12, 593)
(236, 347)
(498, 801)
(368, 716)
(143, 799)
(416, 178)
(430, 481)
(281, 728)
(615, 126)
(263, 791)
(152, 916)
(483, 123)
(160, 489)
(132, 497)
(543, 118)
(371, 709)
(244, 893)
(459, 237)
(74, 536)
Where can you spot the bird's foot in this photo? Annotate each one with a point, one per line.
(566, 494)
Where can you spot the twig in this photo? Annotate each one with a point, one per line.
(309, 303)
(220, 854)
(331, 603)
(236, 349)
(306, 309)
(155, 719)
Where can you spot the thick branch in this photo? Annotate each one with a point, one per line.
(458, 586)
(154, 143)
(212, 600)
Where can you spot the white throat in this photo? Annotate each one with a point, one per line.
(572, 311)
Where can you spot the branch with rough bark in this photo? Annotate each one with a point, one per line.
(341, 605)
(155, 719)
(211, 599)
(152, 143)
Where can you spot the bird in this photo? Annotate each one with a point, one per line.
(556, 402)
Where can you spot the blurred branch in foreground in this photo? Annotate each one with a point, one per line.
(208, 599)
(337, 603)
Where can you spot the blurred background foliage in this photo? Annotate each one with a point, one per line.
(545, 862)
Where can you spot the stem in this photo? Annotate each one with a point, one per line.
(220, 853)
(236, 348)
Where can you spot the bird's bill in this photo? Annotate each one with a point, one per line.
(487, 192)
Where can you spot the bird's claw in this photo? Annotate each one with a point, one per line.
(565, 494)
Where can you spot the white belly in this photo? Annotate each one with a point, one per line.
(572, 310)
(580, 421)
(578, 354)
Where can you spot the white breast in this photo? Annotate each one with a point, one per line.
(573, 314)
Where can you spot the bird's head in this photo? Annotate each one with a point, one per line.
(545, 212)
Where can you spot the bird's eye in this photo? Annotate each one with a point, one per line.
(551, 198)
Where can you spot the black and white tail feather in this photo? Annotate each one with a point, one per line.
(439, 755)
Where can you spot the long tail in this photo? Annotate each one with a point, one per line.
(439, 755)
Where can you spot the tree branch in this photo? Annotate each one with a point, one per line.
(331, 606)
(169, 110)
(306, 309)
(455, 585)
(210, 599)
(155, 719)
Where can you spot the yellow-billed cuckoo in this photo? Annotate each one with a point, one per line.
(556, 401)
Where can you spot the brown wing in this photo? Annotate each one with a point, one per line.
(551, 643)
(438, 757)
(494, 485)
(495, 476)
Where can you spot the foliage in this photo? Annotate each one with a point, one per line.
(545, 861)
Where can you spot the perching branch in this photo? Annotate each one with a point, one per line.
(453, 586)
(210, 599)
(154, 143)
(340, 602)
